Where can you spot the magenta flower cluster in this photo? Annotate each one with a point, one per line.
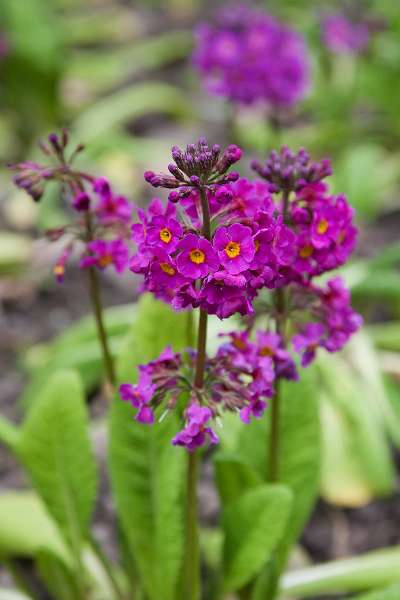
(274, 233)
(101, 222)
(343, 36)
(253, 244)
(247, 56)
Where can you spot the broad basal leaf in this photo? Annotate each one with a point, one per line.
(299, 449)
(55, 449)
(253, 526)
(147, 472)
(26, 528)
(233, 476)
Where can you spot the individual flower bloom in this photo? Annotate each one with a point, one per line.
(196, 257)
(59, 267)
(305, 258)
(271, 344)
(245, 198)
(164, 272)
(342, 36)
(186, 297)
(103, 253)
(140, 396)
(307, 342)
(263, 374)
(111, 207)
(255, 408)
(164, 232)
(235, 247)
(195, 433)
(81, 202)
(324, 227)
(219, 298)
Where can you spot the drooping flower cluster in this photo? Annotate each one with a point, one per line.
(100, 221)
(247, 56)
(343, 36)
(216, 245)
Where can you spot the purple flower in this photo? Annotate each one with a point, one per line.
(81, 202)
(197, 257)
(248, 56)
(140, 396)
(307, 342)
(235, 247)
(342, 36)
(164, 232)
(255, 408)
(111, 207)
(103, 253)
(195, 433)
(59, 267)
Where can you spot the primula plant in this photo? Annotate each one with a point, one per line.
(254, 252)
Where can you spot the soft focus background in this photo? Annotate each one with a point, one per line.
(119, 75)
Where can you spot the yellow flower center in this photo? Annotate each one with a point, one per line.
(105, 260)
(322, 226)
(232, 249)
(165, 235)
(266, 351)
(167, 268)
(341, 236)
(239, 344)
(59, 270)
(306, 251)
(197, 256)
(257, 245)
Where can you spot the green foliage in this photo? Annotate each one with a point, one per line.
(390, 593)
(76, 348)
(372, 570)
(55, 449)
(233, 477)
(356, 460)
(9, 434)
(26, 528)
(253, 524)
(299, 450)
(147, 472)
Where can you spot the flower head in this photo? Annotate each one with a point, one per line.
(196, 432)
(248, 56)
(235, 247)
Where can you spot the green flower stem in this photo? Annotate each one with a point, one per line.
(192, 584)
(97, 307)
(280, 321)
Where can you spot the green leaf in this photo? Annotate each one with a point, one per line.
(126, 105)
(233, 476)
(374, 569)
(253, 526)
(26, 528)
(390, 593)
(55, 449)
(299, 449)
(76, 348)
(9, 433)
(363, 452)
(147, 472)
(58, 578)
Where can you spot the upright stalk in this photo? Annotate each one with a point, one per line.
(192, 557)
(97, 307)
(280, 323)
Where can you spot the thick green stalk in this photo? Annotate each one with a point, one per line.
(192, 586)
(280, 322)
